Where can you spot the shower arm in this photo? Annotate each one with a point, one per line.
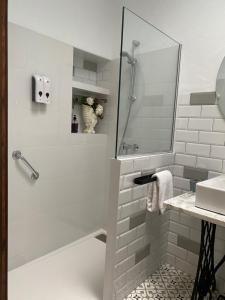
(132, 61)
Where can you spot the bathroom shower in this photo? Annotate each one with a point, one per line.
(125, 147)
(149, 63)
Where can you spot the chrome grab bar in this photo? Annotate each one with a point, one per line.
(16, 155)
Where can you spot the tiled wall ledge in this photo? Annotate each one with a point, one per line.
(140, 163)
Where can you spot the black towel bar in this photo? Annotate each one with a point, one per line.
(145, 179)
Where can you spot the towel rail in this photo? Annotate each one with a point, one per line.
(145, 179)
(18, 155)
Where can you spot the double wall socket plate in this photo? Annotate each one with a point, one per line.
(41, 89)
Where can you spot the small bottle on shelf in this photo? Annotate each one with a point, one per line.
(74, 125)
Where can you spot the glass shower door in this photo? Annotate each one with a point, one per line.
(149, 69)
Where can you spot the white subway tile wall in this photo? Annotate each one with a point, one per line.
(141, 237)
(182, 255)
(79, 72)
(199, 136)
(199, 143)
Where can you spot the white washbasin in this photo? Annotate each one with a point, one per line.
(210, 194)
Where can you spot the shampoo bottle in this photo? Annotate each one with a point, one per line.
(74, 125)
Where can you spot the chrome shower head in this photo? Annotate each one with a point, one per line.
(130, 59)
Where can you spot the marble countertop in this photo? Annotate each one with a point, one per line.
(186, 204)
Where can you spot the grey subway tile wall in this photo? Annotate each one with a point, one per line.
(188, 244)
(204, 98)
(172, 238)
(142, 253)
(90, 66)
(199, 154)
(195, 173)
(140, 237)
(137, 219)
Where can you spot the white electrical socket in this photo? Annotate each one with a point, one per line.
(41, 86)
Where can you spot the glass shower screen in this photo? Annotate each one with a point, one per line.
(149, 66)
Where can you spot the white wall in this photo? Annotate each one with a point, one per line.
(71, 189)
(68, 200)
(149, 37)
(199, 26)
(86, 24)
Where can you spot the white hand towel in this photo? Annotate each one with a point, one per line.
(159, 191)
(152, 197)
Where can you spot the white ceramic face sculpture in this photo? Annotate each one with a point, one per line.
(90, 101)
(90, 116)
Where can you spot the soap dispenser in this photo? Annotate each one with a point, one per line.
(74, 125)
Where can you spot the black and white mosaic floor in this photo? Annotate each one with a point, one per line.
(165, 284)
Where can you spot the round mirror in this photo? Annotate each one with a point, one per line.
(220, 87)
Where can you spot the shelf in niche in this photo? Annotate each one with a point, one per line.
(89, 88)
(89, 135)
(77, 110)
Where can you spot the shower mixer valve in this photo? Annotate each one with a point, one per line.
(133, 147)
(132, 98)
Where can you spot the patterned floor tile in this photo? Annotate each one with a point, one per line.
(165, 284)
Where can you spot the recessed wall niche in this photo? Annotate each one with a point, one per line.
(91, 78)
